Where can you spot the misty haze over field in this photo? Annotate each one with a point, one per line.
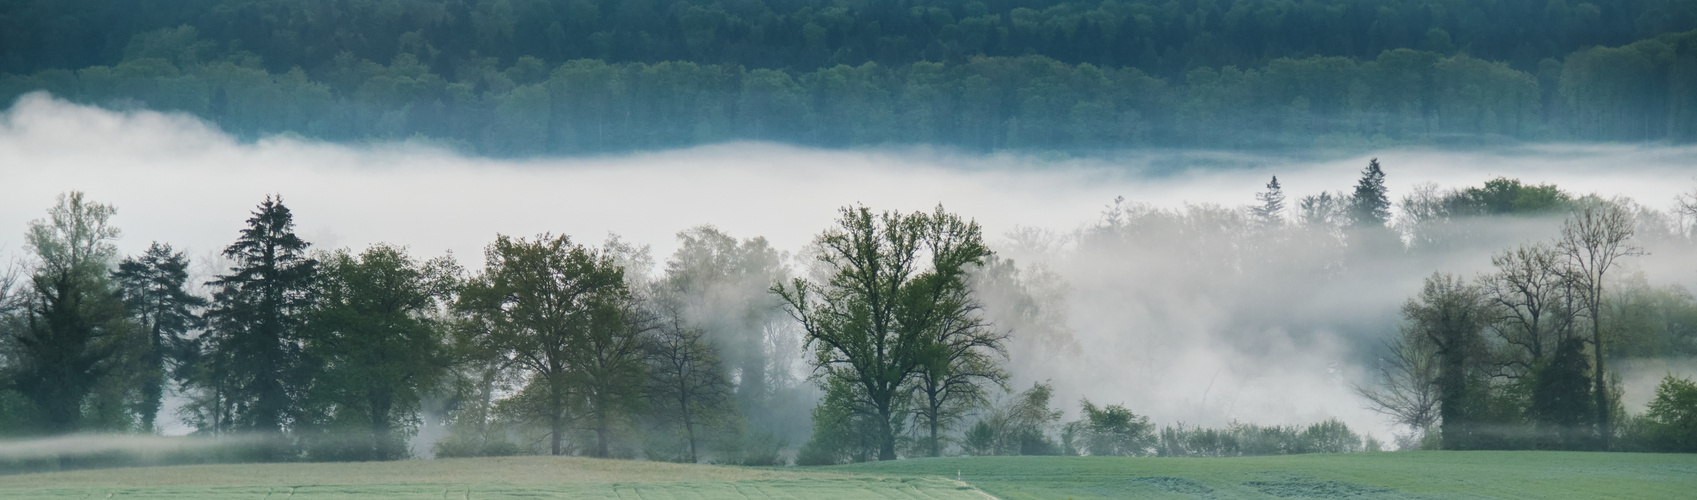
(1150, 317)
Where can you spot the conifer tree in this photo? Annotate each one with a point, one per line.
(256, 321)
(1271, 211)
(1370, 205)
(152, 288)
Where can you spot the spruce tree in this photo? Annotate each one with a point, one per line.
(256, 320)
(152, 289)
(1271, 211)
(1370, 205)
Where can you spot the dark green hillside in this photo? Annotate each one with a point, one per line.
(1163, 37)
(533, 77)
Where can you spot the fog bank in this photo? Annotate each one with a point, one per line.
(1153, 328)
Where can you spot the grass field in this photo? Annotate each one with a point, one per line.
(1433, 474)
(1371, 475)
(479, 478)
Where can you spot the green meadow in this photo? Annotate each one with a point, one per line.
(477, 478)
(1360, 475)
(1432, 474)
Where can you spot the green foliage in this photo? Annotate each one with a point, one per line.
(1242, 440)
(844, 429)
(1671, 422)
(1020, 425)
(1369, 206)
(459, 447)
(1161, 36)
(1111, 431)
(531, 105)
(255, 371)
(1449, 314)
(378, 337)
(152, 289)
(1503, 196)
(71, 354)
(894, 306)
(557, 310)
(1561, 399)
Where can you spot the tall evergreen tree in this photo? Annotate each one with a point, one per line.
(74, 323)
(1370, 204)
(1270, 213)
(152, 288)
(256, 321)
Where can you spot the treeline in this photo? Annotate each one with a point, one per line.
(339, 355)
(1028, 423)
(908, 325)
(1162, 37)
(1638, 92)
(1518, 357)
(1248, 263)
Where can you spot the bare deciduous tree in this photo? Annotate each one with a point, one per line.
(1409, 377)
(1688, 211)
(1531, 302)
(1593, 239)
(687, 383)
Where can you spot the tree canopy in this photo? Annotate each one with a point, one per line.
(533, 77)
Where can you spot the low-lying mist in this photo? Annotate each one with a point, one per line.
(1153, 303)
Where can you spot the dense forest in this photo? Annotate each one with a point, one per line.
(534, 77)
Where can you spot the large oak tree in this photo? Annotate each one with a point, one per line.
(892, 282)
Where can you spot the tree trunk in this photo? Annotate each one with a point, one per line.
(689, 431)
(934, 402)
(556, 420)
(887, 436)
(381, 403)
(602, 431)
(936, 450)
(683, 404)
(153, 390)
(1601, 387)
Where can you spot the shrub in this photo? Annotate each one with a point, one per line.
(1113, 431)
(1670, 425)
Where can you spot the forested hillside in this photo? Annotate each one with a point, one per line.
(530, 77)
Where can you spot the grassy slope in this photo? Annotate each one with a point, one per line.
(514, 477)
(1362, 475)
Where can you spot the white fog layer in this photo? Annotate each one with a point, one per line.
(1157, 323)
